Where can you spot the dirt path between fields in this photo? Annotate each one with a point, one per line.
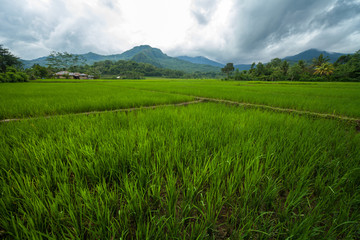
(104, 111)
(206, 99)
(267, 107)
(279, 109)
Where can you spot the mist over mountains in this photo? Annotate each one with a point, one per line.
(154, 56)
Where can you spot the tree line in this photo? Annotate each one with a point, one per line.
(345, 69)
(121, 69)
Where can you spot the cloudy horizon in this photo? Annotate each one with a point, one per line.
(239, 31)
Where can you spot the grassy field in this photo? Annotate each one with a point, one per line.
(335, 98)
(41, 99)
(201, 171)
(66, 96)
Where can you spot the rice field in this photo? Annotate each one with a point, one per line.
(341, 99)
(43, 99)
(202, 171)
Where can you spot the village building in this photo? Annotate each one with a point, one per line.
(70, 75)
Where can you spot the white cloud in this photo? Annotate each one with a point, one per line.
(161, 23)
(240, 31)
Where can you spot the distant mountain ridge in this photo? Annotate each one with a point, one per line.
(307, 55)
(154, 56)
(310, 54)
(140, 54)
(201, 60)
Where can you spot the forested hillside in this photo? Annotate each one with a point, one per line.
(139, 54)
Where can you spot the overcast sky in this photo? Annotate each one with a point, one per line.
(239, 31)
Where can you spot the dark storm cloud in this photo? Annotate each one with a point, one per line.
(203, 10)
(239, 31)
(200, 17)
(263, 23)
(342, 11)
(56, 25)
(24, 24)
(280, 27)
(259, 30)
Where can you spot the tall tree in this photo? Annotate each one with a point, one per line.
(37, 71)
(7, 59)
(320, 60)
(252, 68)
(64, 61)
(302, 64)
(228, 69)
(348, 67)
(285, 67)
(276, 62)
(343, 59)
(260, 69)
(295, 72)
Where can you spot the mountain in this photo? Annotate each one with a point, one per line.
(201, 60)
(204, 60)
(140, 54)
(308, 56)
(28, 63)
(142, 57)
(155, 56)
(153, 53)
(89, 57)
(93, 57)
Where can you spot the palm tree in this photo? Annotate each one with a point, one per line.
(325, 69)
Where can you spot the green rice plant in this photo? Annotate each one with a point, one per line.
(42, 99)
(205, 171)
(39, 98)
(332, 98)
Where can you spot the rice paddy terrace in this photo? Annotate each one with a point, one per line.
(179, 159)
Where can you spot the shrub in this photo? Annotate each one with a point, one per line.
(24, 76)
(13, 75)
(2, 77)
